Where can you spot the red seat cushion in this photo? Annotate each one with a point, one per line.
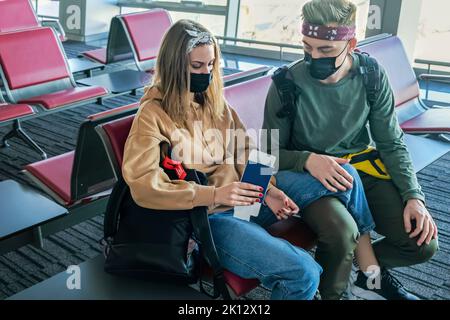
(431, 121)
(65, 97)
(248, 100)
(98, 55)
(391, 54)
(32, 57)
(17, 15)
(55, 173)
(146, 30)
(240, 286)
(13, 111)
(295, 231)
(117, 132)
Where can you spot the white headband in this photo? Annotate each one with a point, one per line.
(199, 38)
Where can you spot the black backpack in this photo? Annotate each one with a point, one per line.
(288, 91)
(154, 244)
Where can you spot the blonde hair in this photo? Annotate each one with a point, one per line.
(329, 12)
(172, 73)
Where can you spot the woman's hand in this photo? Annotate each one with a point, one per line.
(329, 172)
(238, 194)
(280, 204)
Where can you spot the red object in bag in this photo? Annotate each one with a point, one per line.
(170, 164)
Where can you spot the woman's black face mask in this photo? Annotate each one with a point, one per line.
(200, 82)
(322, 68)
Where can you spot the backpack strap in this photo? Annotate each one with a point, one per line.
(371, 73)
(112, 213)
(202, 232)
(287, 91)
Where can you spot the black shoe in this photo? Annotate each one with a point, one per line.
(390, 288)
(317, 296)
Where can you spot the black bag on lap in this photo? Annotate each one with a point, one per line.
(157, 244)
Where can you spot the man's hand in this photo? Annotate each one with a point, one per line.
(329, 172)
(280, 204)
(425, 225)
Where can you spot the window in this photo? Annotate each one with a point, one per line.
(210, 13)
(46, 8)
(279, 21)
(205, 2)
(216, 24)
(433, 36)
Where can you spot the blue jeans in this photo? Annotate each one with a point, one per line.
(248, 250)
(304, 189)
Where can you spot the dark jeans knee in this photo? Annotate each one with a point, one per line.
(335, 227)
(425, 252)
(341, 236)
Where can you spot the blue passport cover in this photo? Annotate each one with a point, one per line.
(257, 174)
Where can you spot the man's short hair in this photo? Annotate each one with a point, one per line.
(330, 12)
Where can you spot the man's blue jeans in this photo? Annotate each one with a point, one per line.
(304, 189)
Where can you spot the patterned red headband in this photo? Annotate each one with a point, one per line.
(340, 33)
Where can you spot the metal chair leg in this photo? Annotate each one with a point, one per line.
(18, 132)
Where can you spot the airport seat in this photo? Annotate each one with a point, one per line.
(431, 121)
(81, 175)
(14, 111)
(12, 114)
(134, 36)
(414, 116)
(145, 30)
(67, 96)
(35, 71)
(35, 68)
(80, 182)
(18, 15)
(97, 54)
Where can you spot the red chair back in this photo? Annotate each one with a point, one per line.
(146, 30)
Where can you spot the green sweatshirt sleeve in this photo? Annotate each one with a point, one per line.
(388, 137)
(278, 135)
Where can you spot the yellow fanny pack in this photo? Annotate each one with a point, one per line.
(368, 161)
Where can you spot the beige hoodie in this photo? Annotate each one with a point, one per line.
(150, 186)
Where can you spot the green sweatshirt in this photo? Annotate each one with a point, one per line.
(335, 119)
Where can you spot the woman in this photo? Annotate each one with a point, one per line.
(185, 107)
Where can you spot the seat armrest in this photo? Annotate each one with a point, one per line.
(434, 77)
(55, 25)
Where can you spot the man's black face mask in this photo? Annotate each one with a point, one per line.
(322, 68)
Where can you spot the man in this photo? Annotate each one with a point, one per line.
(330, 118)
